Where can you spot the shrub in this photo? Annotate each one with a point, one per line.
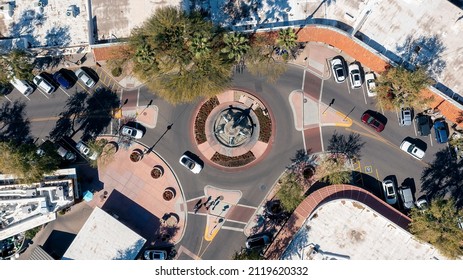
(116, 71)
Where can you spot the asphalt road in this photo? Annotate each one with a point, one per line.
(381, 155)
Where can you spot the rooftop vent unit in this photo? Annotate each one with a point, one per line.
(71, 11)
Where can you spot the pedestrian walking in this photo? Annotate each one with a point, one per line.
(198, 205)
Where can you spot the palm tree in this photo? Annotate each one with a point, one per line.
(200, 45)
(399, 87)
(236, 46)
(178, 55)
(287, 39)
(16, 63)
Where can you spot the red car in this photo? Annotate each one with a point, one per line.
(372, 121)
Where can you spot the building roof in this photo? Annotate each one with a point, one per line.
(48, 23)
(347, 229)
(25, 206)
(104, 238)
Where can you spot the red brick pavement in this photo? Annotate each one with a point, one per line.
(325, 195)
(312, 139)
(312, 85)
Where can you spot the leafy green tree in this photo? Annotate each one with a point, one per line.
(245, 254)
(438, 225)
(16, 63)
(104, 150)
(399, 87)
(236, 46)
(290, 193)
(25, 163)
(260, 59)
(287, 39)
(179, 56)
(332, 169)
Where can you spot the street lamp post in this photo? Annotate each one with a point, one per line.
(348, 114)
(329, 105)
(149, 104)
(169, 127)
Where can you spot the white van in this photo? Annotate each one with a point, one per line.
(23, 86)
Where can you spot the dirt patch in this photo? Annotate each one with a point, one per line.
(233, 161)
(357, 236)
(358, 205)
(265, 124)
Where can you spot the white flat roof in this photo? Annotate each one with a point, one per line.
(104, 238)
(349, 229)
(48, 25)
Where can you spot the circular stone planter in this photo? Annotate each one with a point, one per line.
(157, 172)
(136, 156)
(168, 194)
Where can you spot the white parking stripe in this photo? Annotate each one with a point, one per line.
(64, 92)
(233, 228)
(364, 96)
(8, 98)
(44, 94)
(397, 113)
(414, 128)
(348, 87)
(430, 139)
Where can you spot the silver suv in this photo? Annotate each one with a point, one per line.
(405, 117)
(406, 195)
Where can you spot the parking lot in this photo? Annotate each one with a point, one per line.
(42, 110)
(381, 153)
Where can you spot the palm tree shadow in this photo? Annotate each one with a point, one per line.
(14, 125)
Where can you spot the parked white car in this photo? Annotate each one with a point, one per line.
(339, 72)
(131, 132)
(355, 76)
(43, 84)
(412, 149)
(85, 150)
(370, 80)
(85, 78)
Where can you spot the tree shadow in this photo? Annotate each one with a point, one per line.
(14, 125)
(424, 51)
(91, 115)
(98, 112)
(25, 26)
(349, 146)
(58, 36)
(66, 125)
(443, 177)
(282, 240)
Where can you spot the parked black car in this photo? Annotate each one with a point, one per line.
(423, 124)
